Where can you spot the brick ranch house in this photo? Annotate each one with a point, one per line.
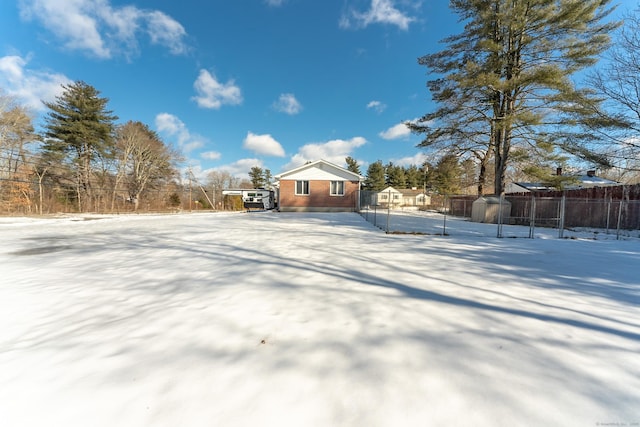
(319, 186)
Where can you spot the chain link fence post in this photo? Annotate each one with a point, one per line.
(375, 215)
(608, 222)
(447, 201)
(499, 233)
(532, 216)
(619, 225)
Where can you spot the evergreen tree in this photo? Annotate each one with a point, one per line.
(412, 176)
(447, 175)
(468, 174)
(375, 179)
(352, 165)
(267, 178)
(256, 175)
(395, 176)
(506, 80)
(543, 166)
(80, 128)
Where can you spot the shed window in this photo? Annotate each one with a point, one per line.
(337, 188)
(302, 187)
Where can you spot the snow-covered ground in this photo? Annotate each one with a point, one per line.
(431, 222)
(273, 319)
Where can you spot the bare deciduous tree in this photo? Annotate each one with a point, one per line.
(142, 160)
(619, 82)
(16, 131)
(219, 180)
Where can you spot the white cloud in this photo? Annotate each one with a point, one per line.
(166, 31)
(377, 106)
(416, 160)
(211, 155)
(287, 103)
(334, 151)
(213, 94)
(29, 87)
(241, 168)
(274, 3)
(381, 12)
(396, 132)
(103, 30)
(263, 144)
(173, 127)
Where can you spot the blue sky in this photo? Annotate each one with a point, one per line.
(242, 83)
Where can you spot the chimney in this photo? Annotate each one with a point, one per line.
(591, 174)
(558, 171)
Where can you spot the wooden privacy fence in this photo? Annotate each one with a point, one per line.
(604, 207)
(553, 211)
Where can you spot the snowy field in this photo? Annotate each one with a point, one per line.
(273, 319)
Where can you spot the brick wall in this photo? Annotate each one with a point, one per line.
(318, 197)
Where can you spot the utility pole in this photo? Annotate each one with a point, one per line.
(424, 186)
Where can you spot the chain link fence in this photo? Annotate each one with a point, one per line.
(524, 215)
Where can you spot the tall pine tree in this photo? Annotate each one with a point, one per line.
(256, 175)
(395, 176)
(505, 81)
(352, 165)
(79, 128)
(375, 180)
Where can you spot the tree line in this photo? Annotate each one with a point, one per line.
(448, 175)
(508, 106)
(83, 161)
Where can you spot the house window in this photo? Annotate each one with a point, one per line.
(302, 188)
(337, 188)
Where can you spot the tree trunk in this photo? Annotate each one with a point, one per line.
(40, 190)
(482, 176)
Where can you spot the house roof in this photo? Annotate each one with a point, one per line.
(528, 186)
(590, 180)
(320, 170)
(389, 189)
(403, 191)
(581, 181)
(410, 192)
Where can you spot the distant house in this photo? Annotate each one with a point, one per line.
(586, 179)
(589, 179)
(390, 197)
(414, 197)
(319, 186)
